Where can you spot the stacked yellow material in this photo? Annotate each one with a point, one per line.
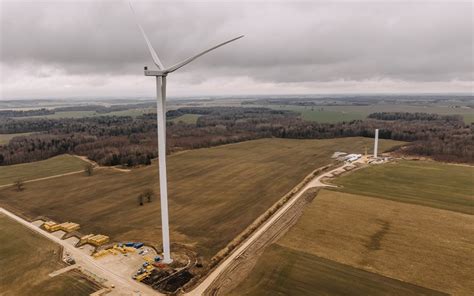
(69, 226)
(51, 226)
(66, 226)
(95, 239)
(85, 238)
(98, 239)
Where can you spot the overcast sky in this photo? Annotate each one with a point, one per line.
(94, 48)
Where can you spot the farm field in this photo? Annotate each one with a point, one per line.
(422, 245)
(186, 118)
(317, 114)
(5, 138)
(21, 250)
(81, 114)
(333, 114)
(438, 185)
(214, 192)
(285, 271)
(53, 166)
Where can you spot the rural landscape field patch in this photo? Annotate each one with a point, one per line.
(286, 271)
(214, 193)
(27, 259)
(54, 166)
(427, 183)
(372, 231)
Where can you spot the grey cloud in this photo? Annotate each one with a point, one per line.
(284, 42)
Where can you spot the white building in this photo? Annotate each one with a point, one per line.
(352, 157)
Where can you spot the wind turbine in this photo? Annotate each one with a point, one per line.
(160, 75)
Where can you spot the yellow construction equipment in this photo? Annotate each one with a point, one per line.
(100, 253)
(140, 277)
(129, 249)
(113, 251)
(120, 249)
(124, 249)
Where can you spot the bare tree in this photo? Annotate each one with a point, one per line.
(19, 185)
(89, 169)
(148, 194)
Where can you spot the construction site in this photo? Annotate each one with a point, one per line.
(130, 259)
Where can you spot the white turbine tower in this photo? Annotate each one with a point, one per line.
(160, 75)
(376, 142)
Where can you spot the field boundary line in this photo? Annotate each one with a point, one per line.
(83, 158)
(45, 178)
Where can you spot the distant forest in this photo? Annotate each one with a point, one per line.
(96, 108)
(123, 140)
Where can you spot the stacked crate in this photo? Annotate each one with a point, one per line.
(95, 239)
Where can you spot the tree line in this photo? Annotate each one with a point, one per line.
(123, 140)
(414, 116)
(25, 113)
(96, 108)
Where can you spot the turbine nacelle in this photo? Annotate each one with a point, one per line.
(154, 72)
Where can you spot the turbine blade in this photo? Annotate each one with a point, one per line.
(189, 60)
(154, 56)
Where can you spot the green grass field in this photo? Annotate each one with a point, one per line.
(214, 193)
(81, 114)
(54, 166)
(186, 118)
(333, 114)
(438, 185)
(285, 271)
(5, 138)
(469, 117)
(325, 115)
(377, 226)
(27, 259)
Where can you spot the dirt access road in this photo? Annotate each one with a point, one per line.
(204, 287)
(122, 285)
